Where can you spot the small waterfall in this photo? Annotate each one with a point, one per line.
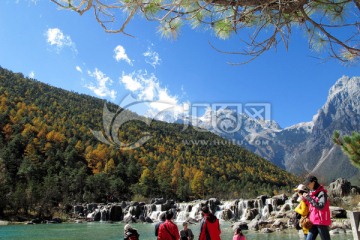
(289, 201)
(242, 209)
(183, 212)
(148, 209)
(268, 208)
(155, 215)
(90, 216)
(194, 211)
(184, 207)
(227, 207)
(260, 206)
(128, 215)
(181, 216)
(104, 216)
(158, 207)
(239, 209)
(272, 202)
(219, 212)
(152, 211)
(265, 213)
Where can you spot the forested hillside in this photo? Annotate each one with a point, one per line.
(48, 155)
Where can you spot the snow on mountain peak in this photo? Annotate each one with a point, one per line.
(307, 126)
(345, 84)
(345, 87)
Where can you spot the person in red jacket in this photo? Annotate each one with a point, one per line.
(319, 205)
(168, 230)
(210, 227)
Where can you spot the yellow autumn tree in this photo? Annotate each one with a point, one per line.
(110, 166)
(197, 184)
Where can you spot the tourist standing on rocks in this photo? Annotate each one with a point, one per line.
(302, 208)
(238, 235)
(210, 227)
(130, 233)
(168, 230)
(186, 233)
(162, 220)
(319, 205)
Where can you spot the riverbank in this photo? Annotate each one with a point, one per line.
(4, 223)
(263, 214)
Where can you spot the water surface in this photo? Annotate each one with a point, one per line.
(112, 231)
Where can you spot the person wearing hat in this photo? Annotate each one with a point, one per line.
(319, 206)
(210, 227)
(130, 233)
(302, 208)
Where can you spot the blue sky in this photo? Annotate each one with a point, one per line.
(73, 52)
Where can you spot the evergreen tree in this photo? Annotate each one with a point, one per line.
(330, 25)
(49, 156)
(350, 146)
(4, 187)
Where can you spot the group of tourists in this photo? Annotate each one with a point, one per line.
(209, 227)
(166, 229)
(313, 209)
(313, 214)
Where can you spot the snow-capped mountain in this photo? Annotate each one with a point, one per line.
(302, 148)
(257, 135)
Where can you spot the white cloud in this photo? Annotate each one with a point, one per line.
(152, 57)
(142, 84)
(146, 87)
(149, 91)
(55, 37)
(100, 88)
(165, 97)
(130, 83)
(120, 54)
(78, 68)
(164, 100)
(32, 74)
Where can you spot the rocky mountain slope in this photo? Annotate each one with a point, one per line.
(305, 147)
(318, 154)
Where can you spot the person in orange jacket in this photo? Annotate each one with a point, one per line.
(210, 227)
(168, 230)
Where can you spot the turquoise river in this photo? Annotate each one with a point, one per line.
(112, 231)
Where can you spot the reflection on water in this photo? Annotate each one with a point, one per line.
(102, 231)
